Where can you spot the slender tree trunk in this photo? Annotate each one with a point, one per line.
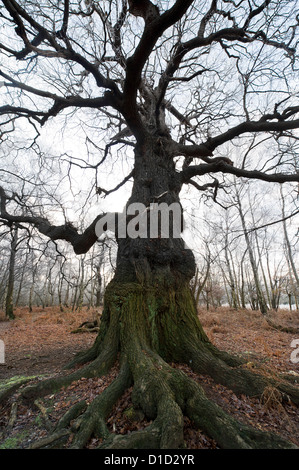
(99, 281)
(232, 282)
(199, 283)
(59, 292)
(260, 257)
(81, 288)
(45, 293)
(194, 285)
(67, 292)
(22, 279)
(11, 273)
(242, 282)
(260, 296)
(290, 257)
(31, 291)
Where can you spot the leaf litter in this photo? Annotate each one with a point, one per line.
(42, 342)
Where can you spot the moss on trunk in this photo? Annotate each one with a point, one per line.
(147, 326)
(149, 321)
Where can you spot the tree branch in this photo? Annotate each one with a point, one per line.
(215, 184)
(109, 191)
(155, 25)
(60, 102)
(62, 32)
(206, 149)
(235, 33)
(221, 166)
(80, 242)
(17, 13)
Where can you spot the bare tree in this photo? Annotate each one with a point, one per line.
(11, 273)
(289, 250)
(258, 288)
(183, 85)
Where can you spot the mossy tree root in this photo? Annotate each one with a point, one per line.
(148, 331)
(165, 394)
(93, 421)
(10, 386)
(239, 379)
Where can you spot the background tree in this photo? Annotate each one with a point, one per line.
(11, 273)
(176, 89)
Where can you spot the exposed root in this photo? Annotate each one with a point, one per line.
(70, 415)
(147, 331)
(98, 367)
(85, 330)
(148, 438)
(11, 421)
(164, 394)
(13, 416)
(53, 441)
(285, 329)
(240, 380)
(93, 419)
(228, 432)
(44, 414)
(10, 386)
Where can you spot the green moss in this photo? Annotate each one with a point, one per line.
(133, 415)
(14, 442)
(38, 420)
(9, 386)
(6, 383)
(129, 413)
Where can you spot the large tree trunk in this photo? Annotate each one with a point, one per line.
(149, 321)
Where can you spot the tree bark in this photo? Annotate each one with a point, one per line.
(260, 296)
(11, 274)
(150, 320)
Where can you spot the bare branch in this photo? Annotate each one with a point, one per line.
(263, 125)
(155, 25)
(63, 30)
(109, 191)
(80, 242)
(221, 166)
(60, 102)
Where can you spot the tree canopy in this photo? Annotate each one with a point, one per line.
(205, 77)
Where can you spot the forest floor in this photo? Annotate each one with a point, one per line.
(41, 342)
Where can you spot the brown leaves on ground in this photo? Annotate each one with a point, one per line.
(41, 342)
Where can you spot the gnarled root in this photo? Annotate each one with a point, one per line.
(165, 394)
(239, 379)
(148, 330)
(93, 420)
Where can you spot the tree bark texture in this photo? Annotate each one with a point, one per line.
(149, 321)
